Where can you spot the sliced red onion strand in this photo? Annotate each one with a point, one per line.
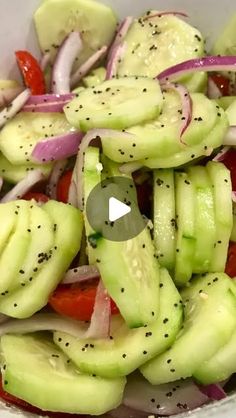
(54, 178)
(186, 103)
(1, 183)
(14, 107)
(113, 62)
(3, 318)
(65, 58)
(124, 412)
(47, 102)
(87, 66)
(45, 61)
(185, 396)
(221, 155)
(210, 63)
(121, 34)
(213, 92)
(81, 274)
(129, 168)
(7, 95)
(233, 196)
(100, 320)
(72, 195)
(214, 392)
(160, 14)
(21, 188)
(44, 322)
(230, 137)
(57, 147)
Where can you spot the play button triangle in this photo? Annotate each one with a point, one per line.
(117, 209)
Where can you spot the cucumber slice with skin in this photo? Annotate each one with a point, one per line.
(209, 310)
(25, 130)
(222, 192)
(225, 44)
(233, 232)
(95, 78)
(85, 16)
(162, 137)
(164, 217)
(205, 225)
(221, 366)
(152, 45)
(128, 349)
(109, 104)
(29, 299)
(7, 228)
(37, 372)
(186, 230)
(15, 173)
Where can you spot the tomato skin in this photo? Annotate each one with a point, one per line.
(32, 409)
(76, 302)
(222, 83)
(39, 197)
(63, 186)
(230, 162)
(31, 71)
(230, 268)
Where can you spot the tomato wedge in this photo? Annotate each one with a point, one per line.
(29, 408)
(31, 71)
(230, 268)
(76, 302)
(63, 186)
(39, 197)
(222, 83)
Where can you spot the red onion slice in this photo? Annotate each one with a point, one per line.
(113, 62)
(221, 155)
(230, 137)
(21, 188)
(100, 320)
(57, 147)
(214, 392)
(81, 274)
(169, 399)
(14, 107)
(160, 14)
(186, 103)
(210, 63)
(45, 61)
(124, 412)
(1, 183)
(121, 34)
(44, 322)
(47, 103)
(87, 66)
(213, 92)
(233, 196)
(72, 195)
(7, 95)
(54, 178)
(65, 58)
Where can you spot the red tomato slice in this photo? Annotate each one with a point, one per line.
(29, 408)
(39, 197)
(77, 302)
(31, 71)
(230, 163)
(230, 268)
(63, 186)
(222, 83)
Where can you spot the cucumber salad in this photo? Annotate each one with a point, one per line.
(136, 328)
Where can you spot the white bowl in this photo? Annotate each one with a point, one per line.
(17, 32)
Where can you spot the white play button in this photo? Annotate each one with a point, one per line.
(117, 209)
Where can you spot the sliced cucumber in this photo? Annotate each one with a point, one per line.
(226, 44)
(95, 78)
(15, 173)
(221, 366)
(152, 45)
(7, 228)
(205, 224)
(85, 16)
(196, 83)
(233, 232)
(21, 134)
(230, 112)
(128, 349)
(186, 228)
(225, 101)
(222, 192)
(29, 299)
(164, 217)
(8, 84)
(37, 372)
(162, 137)
(210, 319)
(109, 105)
